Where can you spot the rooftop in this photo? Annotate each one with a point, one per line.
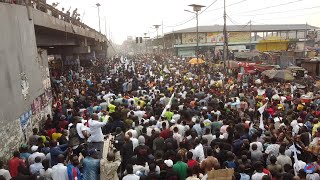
(254, 28)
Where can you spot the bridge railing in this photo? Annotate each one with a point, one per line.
(49, 9)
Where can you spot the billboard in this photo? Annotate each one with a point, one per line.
(239, 36)
(215, 37)
(191, 38)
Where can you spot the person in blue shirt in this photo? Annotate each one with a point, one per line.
(55, 151)
(24, 152)
(73, 169)
(91, 166)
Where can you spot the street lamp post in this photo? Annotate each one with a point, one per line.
(196, 9)
(146, 37)
(98, 5)
(157, 28)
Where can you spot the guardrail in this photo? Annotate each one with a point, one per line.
(46, 8)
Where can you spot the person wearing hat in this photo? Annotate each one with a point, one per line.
(169, 173)
(35, 154)
(91, 166)
(24, 154)
(311, 174)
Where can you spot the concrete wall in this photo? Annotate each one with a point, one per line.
(19, 60)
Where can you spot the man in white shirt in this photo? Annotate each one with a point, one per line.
(283, 159)
(3, 172)
(35, 168)
(59, 171)
(130, 175)
(177, 136)
(35, 154)
(254, 141)
(258, 175)
(198, 153)
(134, 140)
(96, 138)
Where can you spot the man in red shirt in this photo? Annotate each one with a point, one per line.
(14, 163)
(191, 162)
(165, 131)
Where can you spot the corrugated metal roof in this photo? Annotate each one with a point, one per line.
(254, 28)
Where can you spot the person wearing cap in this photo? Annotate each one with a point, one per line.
(35, 154)
(91, 166)
(311, 174)
(24, 154)
(169, 173)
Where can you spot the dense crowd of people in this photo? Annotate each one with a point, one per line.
(170, 120)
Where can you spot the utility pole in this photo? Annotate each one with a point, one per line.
(305, 39)
(162, 38)
(105, 26)
(250, 35)
(98, 5)
(225, 44)
(196, 9)
(145, 41)
(157, 28)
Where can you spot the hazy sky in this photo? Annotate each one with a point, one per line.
(135, 17)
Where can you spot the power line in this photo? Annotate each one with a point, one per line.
(279, 12)
(283, 4)
(232, 21)
(228, 5)
(193, 17)
(285, 17)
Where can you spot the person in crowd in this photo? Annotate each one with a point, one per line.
(73, 169)
(110, 165)
(91, 166)
(36, 166)
(46, 172)
(59, 171)
(14, 163)
(163, 116)
(130, 175)
(3, 172)
(180, 168)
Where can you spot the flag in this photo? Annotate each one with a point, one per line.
(295, 152)
(168, 105)
(166, 70)
(261, 110)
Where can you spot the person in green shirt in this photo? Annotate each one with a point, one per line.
(168, 114)
(180, 167)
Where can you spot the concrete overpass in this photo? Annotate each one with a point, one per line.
(27, 36)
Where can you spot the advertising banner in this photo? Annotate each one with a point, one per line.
(215, 37)
(191, 38)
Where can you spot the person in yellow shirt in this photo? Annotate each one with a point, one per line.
(56, 135)
(316, 125)
(112, 108)
(141, 103)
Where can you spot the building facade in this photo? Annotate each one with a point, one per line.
(240, 38)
